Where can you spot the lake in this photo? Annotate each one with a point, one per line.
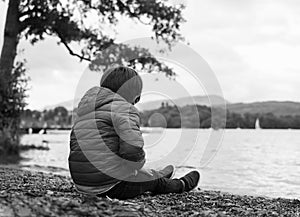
(252, 162)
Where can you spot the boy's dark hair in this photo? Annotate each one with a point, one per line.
(116, 77)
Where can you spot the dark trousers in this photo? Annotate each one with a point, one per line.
(132, 187)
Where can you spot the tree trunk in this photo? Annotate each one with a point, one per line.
(8, 54)
(11, 31)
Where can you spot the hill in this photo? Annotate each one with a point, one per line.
(195, 100)
(276, 107)
(150, 105)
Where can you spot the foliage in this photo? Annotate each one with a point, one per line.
(13, 104)
(70, 21)
(58, 117)
(276, 107)
(175, 118)
(136, 57)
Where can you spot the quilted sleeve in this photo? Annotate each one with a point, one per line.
(131, 142)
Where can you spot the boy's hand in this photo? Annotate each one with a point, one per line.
(146, 171)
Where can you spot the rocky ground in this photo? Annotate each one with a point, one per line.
(24, 193)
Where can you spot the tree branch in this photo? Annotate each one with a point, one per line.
(81, 57)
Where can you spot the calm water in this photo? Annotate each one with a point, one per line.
(253, 162)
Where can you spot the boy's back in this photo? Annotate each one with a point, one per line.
(106, 147)
(104, 139)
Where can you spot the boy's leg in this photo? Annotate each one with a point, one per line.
(137, 185)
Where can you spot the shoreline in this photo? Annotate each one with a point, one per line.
(25, 193)
(53, 170)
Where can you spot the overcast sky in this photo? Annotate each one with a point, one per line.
(252, 46)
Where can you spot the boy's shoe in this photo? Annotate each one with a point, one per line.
(167, 172)
(190, 180)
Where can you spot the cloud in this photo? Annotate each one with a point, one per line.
(252, 46)
(54, 74)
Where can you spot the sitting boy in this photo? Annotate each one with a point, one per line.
(106, 148)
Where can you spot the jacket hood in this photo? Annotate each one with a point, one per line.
(98, 97)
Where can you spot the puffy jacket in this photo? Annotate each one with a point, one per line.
(106, 144)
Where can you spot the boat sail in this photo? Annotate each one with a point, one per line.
(257, 124)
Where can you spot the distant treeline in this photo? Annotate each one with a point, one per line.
(174, 117)
(198, 116)
(58, 117)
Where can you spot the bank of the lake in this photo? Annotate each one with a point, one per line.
(24, 193)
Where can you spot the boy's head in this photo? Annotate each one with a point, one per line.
(124, 81)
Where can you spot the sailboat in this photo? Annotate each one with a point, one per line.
(257, 125)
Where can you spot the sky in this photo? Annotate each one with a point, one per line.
(252, 47)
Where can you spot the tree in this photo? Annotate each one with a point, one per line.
(12, 104)
(67, 20)
(62, 114)
(234, 120)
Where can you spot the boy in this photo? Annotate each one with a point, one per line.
(106, 146)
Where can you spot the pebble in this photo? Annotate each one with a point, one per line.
(38, 194)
